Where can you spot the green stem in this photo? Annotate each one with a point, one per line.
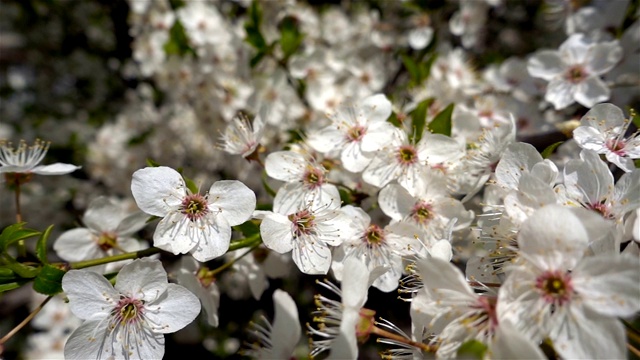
(114, 258)
(218, 270)
(246, 242)
(22, 249)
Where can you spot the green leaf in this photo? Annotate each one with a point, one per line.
(290, 36)
(178, 42)
(191, 185)
(472, 349)
(412, 68)
(14, 233)
(41, 245)
(419, 118)
(636, 120)
(252, 28)
(248, 228)
(12, 285)
(394, 120)
(441, 124)
(550, 149)
(152, 163)
(24, 271)
(49, 280)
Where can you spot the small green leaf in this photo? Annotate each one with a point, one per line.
(152, 163)
(419, 118)
(636, 120)
(441, 124)
(41, 245)
(14, 233)
(394, 120)
(248, 228)
(24, 271)
(191, 185)
(472, 349)
(49, 280)
(252, 28)
(178, 42)
(290, 36)
(550, 149)
(412, 68)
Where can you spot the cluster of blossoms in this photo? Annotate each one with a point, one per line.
(384, 151)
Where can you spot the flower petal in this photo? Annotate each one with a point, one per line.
(176, 308)
(91, 295)
(158, 190)
(233, 200)
(143, 279)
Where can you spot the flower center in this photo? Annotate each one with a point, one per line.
(602, 208)
(373, 236)
(107, 240)
(407, 155)
(194, 206)
(576, 74)
(616, 146)
(356, 133)
(422, 213)
(128, 310)
(555, 286)
(485, 317)
(313, 177)
(303, 222)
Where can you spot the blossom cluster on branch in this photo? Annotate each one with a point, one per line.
(478, 157)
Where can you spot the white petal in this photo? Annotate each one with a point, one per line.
(376, 108)
(590, 336)
(176, 233)
(213, 237)
(143, 279)
(509, 343)
(326, 139)
(285, 165)
(590, 138)
(103, 214)
(89, 341)
(443, 280)
(172, 311)
(233, 200)
(77, 245)
(603, 57)
(345, 345)
(554, 236)
(560, 93)
(286, 325)
(275, 231)
(132, 224)
(311, 258)
(158, 190)
(546, 64)
(91, 295)
(395, 201)
(517, 158)
(355, 283)
(592, 91)
(54, 169)
(353, 158)
(609, 284)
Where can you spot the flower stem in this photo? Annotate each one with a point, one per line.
(22, 249)
(389, 335)
(246, 242)
(223, 267)
(114, 258)
(25, 321)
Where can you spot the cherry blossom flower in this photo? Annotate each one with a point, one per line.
(308, 233)
(562, 294)
(277, 341)
(574, 70)
(109, 230)
(199, 280)
(357, 131)
(603, 130)
(199, 224)
(130, 320)
(240, 137)
(25, 159)
(305, 181)
(376, 247)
